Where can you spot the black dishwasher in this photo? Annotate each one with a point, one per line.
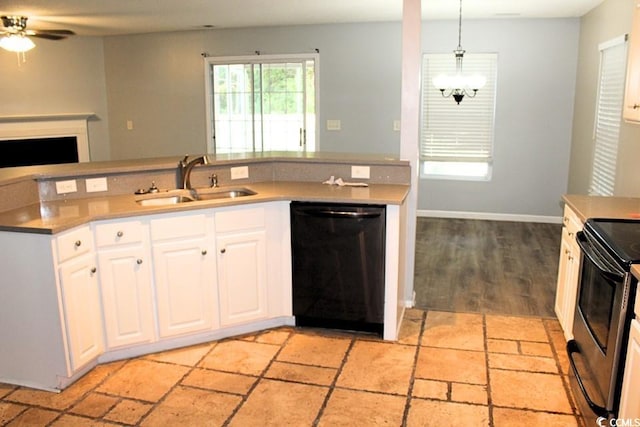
(338, 265)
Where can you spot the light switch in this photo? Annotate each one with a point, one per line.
(129, 124)
(396, 125)
(334, 125)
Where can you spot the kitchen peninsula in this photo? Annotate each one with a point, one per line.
(90, 275)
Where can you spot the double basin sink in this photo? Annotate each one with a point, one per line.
(173, 197)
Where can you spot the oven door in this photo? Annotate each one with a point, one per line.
(599, 329)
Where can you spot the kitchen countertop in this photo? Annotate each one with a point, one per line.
(603, 207)
(56, 216)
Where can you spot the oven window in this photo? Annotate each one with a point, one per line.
(596, 303)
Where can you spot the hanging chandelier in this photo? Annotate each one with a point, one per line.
(459, 85)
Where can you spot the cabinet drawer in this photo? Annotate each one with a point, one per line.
(240, 219)
(179, 227)
(571, 222)
(73, 243)
(119, 233)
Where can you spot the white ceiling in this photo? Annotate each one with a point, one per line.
(110, 17)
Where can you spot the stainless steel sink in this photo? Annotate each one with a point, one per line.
(222, 193)
(172, 197)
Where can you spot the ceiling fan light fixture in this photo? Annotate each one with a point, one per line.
(16, 43)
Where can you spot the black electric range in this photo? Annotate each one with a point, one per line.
(619, 237)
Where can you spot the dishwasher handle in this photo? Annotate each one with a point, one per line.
(330, 213)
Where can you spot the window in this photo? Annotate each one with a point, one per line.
(456, 141)
(261, 103)
(613, 59)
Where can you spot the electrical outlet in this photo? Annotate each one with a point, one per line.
(240, 172)
(129, 124)
(69, 186)
(96, 184)
(360, 172)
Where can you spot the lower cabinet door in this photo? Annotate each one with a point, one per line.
(630, 398)
(185, 277)
(125, 281)
(242, 277)
(82, 311)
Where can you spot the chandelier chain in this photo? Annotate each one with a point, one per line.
(460, 27)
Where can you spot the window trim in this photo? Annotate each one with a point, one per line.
(489, 68)
(257, 59)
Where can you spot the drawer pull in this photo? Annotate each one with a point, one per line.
(119, 234)
(223, 251)
(78, 243)
(138, 261)
(93, 270)
(204, 252)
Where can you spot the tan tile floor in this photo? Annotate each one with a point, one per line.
(447, 369)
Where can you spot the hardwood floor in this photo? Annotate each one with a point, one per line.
(495, 267)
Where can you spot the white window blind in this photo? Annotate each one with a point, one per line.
(613, 60)
(452, 132)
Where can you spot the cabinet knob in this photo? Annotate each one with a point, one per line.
(78, 243)
(223, 251)
(204, 252)
(119, 234)
(138, 261)
(635, 106)
(571, 234)
(93, 270)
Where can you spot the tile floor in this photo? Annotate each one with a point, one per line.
(447, 369)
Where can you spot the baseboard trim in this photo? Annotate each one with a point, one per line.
(489, 216)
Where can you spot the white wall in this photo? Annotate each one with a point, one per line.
(609, 20)
(59, 77)
(534, 107)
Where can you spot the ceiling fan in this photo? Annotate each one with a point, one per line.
(15, 36)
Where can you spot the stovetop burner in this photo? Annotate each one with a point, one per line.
(620, 236)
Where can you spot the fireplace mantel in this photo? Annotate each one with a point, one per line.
(49, 126)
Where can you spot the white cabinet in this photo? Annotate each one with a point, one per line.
(124, 266)
(80, 296)
(241, 241)
(185, 273)
(630, 397)
(568, 271)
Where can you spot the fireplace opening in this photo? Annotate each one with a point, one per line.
(38, 151)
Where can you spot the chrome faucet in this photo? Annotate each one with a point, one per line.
(185, 168)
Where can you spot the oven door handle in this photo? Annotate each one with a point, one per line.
(572, 347)
(588, 251)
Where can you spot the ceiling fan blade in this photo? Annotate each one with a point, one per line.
(56, 32)
(48, 36)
